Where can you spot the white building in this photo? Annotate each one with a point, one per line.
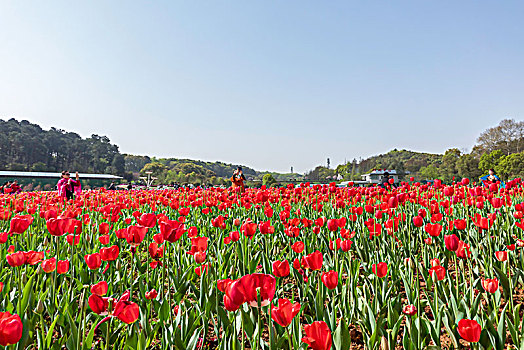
(375, 176)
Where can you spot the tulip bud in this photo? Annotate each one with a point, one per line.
(39, 270)
(384, 344)
(39, 307)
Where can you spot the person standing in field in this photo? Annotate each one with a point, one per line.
(492, 177)
(68, 187)
(237, 180)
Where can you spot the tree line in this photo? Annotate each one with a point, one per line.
(500, 148)
(25, 146)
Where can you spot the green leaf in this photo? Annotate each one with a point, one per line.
(89, 339)
(49, 335)
(341, 338)
(27, 294)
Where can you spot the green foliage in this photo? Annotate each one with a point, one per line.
(321, 174)
(27, 147)
(468, 166)
(268, 180)
(490, 160)
(510, 166)
(134, 163)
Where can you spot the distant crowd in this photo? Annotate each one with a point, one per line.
(68, 187)
(10, 187)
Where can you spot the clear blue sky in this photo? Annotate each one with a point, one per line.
(269, 84)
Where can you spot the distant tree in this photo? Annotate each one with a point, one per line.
(268, 180)
(118, 163)
(508, 137)
(510, 166)
(158, 170)
(135, 163)
(429, 172)
(490, 160)
(468, 166)
(448, 168)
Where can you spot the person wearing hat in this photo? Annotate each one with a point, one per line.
(67, 187)
(237, 180)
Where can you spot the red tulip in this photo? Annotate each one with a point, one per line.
(490, 285)
(246, 288)
(172, 230)
(380, 269)
(20, 223)
(332, 225)
(99, 289)
(135, 235)
(418, 221)
(451, 242)
(409, 310)
(434, 262)
(104, 239)
(235, 236)
(198, 244)
(49, 265)
(93, 261)
(184, 211)
(318, 336)
(298, 247)
(200, 257)
(463, 251)
(109, 253)
(469, 330)
(62, 266)
(16, 259)
(313, 261)
(32, 257)
(103, 228)
(285, 312)
(330, 279)
(249, 229)
(222, 284)
(152, 294)
(60, 227)
(200, 270)
(460, 224)
(72, 239)
(433, 229)
(98, 304)
(345, 245)
(281, 268)
(501, 255)
(147, 220)
(10, 329)
(438, 272)
(155, 251)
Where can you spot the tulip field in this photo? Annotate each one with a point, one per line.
(298, 267)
